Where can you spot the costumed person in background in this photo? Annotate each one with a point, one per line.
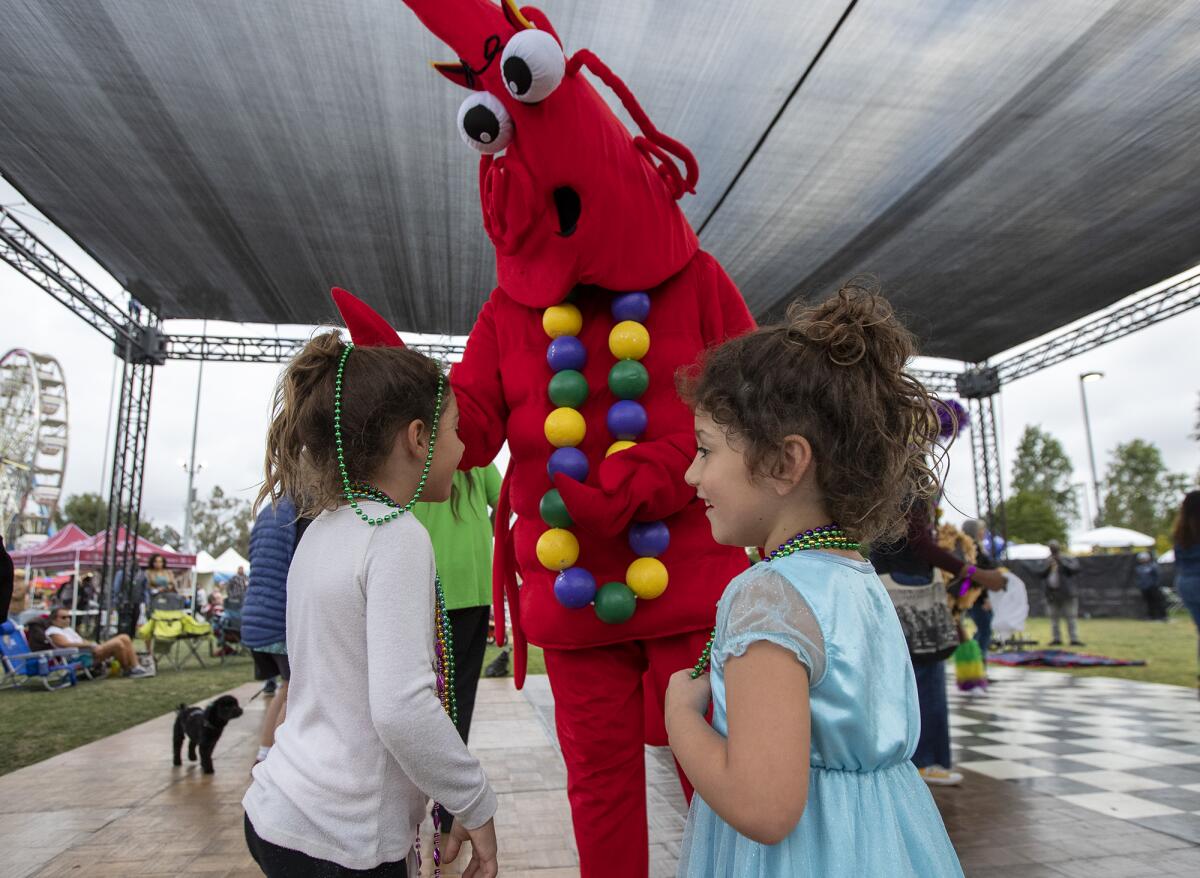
(907, 570)
(811, 438)
(981, 611)
(355, 433)
(1062, 598)
(273, 540)
(1186, 537)
(1145, 574)
(461, 531)
(603, 294)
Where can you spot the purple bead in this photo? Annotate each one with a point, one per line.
(566, 352)
(575, 588)
(631, 306)
(571, 462)
(649, 538)
(627, 419)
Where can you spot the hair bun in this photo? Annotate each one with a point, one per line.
(846, 325)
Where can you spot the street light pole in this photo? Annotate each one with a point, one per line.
(1087, 427)
(191, 464)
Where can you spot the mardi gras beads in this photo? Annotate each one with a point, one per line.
(565, 428)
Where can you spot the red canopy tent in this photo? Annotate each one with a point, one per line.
(71, 546)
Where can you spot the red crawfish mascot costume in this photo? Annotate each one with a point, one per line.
(603, 294)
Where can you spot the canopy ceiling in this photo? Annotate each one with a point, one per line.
(1004, 166)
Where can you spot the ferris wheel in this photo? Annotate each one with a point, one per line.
(33, 443)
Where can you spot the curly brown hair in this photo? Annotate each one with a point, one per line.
(384, 389)
(835, 374)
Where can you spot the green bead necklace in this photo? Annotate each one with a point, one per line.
(353, 489)
(828, 537)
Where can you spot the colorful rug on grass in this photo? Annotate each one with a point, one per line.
(1058, 658)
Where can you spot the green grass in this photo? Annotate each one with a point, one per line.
(35, 724)
(1168, 650)
(537, 663)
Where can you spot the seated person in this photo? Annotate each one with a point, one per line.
(63, 636)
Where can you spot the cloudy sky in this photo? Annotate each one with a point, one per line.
(1152, 379)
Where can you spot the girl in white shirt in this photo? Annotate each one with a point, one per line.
(359, 431)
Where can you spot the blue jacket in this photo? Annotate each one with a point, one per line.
(272, 544)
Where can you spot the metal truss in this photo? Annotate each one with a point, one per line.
(25, 252)
(985, 453)
(243, 349)
(125, 490)
(1108, 326)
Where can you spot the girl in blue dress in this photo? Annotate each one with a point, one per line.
(811, 440)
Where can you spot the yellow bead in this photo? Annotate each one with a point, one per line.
(629, 340)
(557, 549)
(562, 320)
(647, 577)
(565, 427)
(619, 446)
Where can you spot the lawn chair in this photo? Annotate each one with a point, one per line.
(173, 633)
(83, 663)
(53, 668)
(228, 629)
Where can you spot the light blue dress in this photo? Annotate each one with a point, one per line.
(868, 811)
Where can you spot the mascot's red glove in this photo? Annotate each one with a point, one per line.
(642, 483)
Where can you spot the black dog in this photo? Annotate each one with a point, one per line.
(203, 729)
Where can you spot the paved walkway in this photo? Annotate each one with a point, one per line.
(1087, 777)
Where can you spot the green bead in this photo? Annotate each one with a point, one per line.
(568, 389)
(554, 511)
(628, 379)
(615, 603)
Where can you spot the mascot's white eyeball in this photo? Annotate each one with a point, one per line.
(484, 124)
(533, 65)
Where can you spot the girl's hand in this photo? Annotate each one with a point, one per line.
(483, 849)
(687, 694)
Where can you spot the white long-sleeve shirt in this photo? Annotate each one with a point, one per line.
(366, 742)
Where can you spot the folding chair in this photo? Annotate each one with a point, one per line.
(170, 630)
(53, 668)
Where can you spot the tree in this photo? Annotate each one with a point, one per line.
(1042, 468)
(1031, 518)
(222, 521)
(90, 512)
(1140, 493)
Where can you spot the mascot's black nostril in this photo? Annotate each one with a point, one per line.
(569, 206)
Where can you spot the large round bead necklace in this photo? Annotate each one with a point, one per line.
(829, 536)
(558, 548)
(443, 645)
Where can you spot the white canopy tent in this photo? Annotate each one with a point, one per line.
(1113, 538)
(229, 561)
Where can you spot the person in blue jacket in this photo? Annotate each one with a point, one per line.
(273, 540)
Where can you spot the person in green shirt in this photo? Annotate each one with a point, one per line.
(461, 531)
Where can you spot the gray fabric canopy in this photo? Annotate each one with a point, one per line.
(1004, 166)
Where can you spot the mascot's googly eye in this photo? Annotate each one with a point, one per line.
(484, 124)
(533, 65)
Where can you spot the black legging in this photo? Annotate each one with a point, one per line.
(281, 862)
(1156, 603)
(470, 625)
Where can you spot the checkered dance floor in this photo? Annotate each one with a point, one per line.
(1124, 749)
